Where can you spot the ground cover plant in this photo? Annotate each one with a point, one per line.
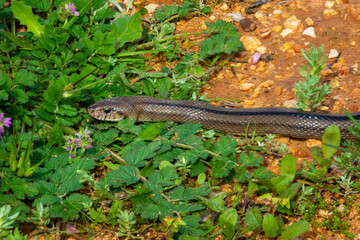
(65, 173)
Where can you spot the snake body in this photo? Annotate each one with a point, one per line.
(283, 121)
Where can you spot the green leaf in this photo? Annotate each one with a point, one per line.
(288, 167)
(3, 95)
(253, 219)
(331, 136)
(127, 174)
(21, 188)
(42, 5)
(151, 131)
(18, 41)
(25, 77)
(136, 157)
(24, 13)
(295, 230)
(270, 226)
(103, 13)
(227, 222)
(19, 95)
(127, 28)
(106, 137)
(165, 12)
(280, 183)
(213, 205)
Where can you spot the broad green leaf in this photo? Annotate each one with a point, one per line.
(128, 174)
(292, 190)
(295, 230)
(253, 219)
(331, 136)
(42, 5)
(151, 131)
(127, 28)
(288, 167)
(280, 183)
(136, 157)
(24, 13)
(213, 205)
(21, 188)
(3, 95)
(270, 226)
(227, 222)
(25, 77)
(19, 95)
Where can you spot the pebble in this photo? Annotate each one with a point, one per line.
(237, 17)
(247, 25)
(265, 34)
(297, 48)
(276, 12)
(290, 103)
(341, 208)
(333, 53)
(310, 31)
(300, 152)
(287, 46)
(286, 32)
(329, 4)
(267, 84)
(152, 7)
(262, 49)
(224, 7)
(292, 23)
(309, 22)
(212, 17)
(330, 12)
(251, 43)
(355, 67)
(246, 86)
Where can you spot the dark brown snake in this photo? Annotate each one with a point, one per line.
(283, 121)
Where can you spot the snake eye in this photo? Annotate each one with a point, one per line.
(107, 110)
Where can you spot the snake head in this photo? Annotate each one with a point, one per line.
(105, 110)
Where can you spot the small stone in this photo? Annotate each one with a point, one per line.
(265, 34)
(297, 48)
(224, 7)
(309, 22)
(212, 17)
(152, 7)
(286, 32)
(261, 49)
(247, 25)
(237, 17)
(329, 4)
(276, 12)
(246, 86)
(355, 68)
(341, 208)
(277, 28)
(292, 23)
(330, 12)
(267, 84)
(310, 31)
(251, 43)
(290, 103)
(333, 53)
(259, 16)
(287, 46)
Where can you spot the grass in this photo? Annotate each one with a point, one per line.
(60, 167)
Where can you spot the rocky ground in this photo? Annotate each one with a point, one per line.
(278, 31)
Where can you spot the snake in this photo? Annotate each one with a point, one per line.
(271, 120)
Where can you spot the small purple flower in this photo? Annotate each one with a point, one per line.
(68, 148)
(71, 7)
(4, 122)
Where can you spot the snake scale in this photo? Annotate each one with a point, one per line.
(283, 121)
